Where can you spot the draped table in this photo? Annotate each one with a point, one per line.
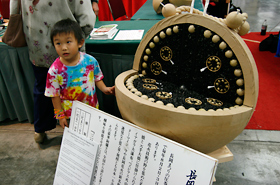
(17, 79)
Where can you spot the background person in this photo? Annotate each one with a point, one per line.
(95, 6)
(39, 16)
(218, 8)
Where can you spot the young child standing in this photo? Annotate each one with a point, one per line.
(74, 74)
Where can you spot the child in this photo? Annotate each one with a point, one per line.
(74, 74)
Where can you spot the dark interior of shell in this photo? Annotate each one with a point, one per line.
(191, 61)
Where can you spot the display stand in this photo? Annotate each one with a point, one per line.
(223, 155)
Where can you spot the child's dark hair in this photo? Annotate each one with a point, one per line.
(67, 26)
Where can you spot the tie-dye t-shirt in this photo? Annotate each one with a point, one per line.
(74, 82)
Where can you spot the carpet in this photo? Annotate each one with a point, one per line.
(266, 115)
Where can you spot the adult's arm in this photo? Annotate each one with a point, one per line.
(13, 6)
(85, 16)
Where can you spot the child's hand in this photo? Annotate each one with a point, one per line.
(109, 90)
(63, 123)
(106, 90)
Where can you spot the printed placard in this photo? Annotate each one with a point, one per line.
(131, 155)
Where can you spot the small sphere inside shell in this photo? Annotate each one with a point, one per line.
(237, 72)
(238, 101)
(222, 45)
(144, 65)
(180, 107)
(148, 51)
(176, 29)
(215, 38)
(162, 35)
(146, 57)
(240, 92)
(228, 54)
(145, 97)
(191, 29)
(130, 87)
(160, 102)
(233, 63)
(151, 99)
(207, 34)
(138, 93)
(156, 39)
(152, 45)
(169, 31)
(170, 105)
(168, 10)
(240, 82)
(133, 90)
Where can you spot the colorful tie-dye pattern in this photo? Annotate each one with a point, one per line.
(74, 82)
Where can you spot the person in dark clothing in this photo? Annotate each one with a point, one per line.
(218, 8)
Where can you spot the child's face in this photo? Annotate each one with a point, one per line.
(67, 47)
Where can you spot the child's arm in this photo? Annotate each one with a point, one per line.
(57, 105)
(106, 90)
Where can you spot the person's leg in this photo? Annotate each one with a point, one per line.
(43, 109)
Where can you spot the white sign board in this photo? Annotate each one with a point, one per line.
(130, 155)
(76, 159)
